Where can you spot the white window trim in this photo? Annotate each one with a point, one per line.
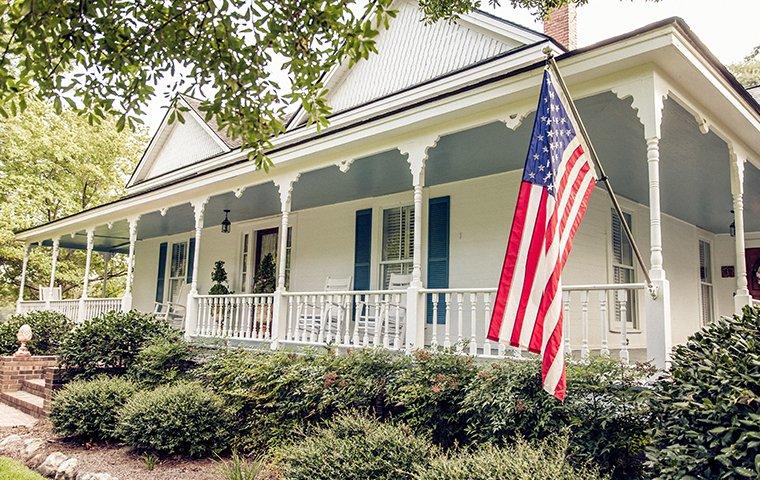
(168, 267)
(636, 327)
(702, 238)
(250, 227)
(379, 211)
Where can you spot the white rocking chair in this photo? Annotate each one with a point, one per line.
(390, 311)
(174, 312)
(325, 317)
(49, 294)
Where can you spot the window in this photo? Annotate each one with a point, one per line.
(245, 262)
(177, 270)
(623, 269)
(288, 255)
(398, 242)
(705, 282)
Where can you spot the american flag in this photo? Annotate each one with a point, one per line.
(557, 182)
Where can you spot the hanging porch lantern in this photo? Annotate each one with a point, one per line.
(226, 224)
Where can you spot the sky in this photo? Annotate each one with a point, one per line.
(729, 28)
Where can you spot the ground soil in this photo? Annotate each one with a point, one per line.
(121, 461)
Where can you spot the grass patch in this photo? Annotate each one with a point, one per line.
(12, 470)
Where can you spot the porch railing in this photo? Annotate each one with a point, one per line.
(459, 318)
(239, 316)
(93, 307)
(348, 319)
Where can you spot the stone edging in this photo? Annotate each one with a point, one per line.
(56, 465)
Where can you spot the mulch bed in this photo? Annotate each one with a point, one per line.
(120, 461)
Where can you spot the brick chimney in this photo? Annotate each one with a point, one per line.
(562, 26)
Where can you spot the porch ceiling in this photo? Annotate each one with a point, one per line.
(694, 174)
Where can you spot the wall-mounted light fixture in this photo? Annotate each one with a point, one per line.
(732, 227)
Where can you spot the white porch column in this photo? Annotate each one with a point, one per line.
(54, 261)
(284, 185)
(53, 266)
(741, 296)
(417, 153)
(191, 305)
(22, 281)
(81, 313)
(126, 300)
(649, 92)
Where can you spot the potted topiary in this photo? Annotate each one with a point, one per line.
(264, 281)
(219, 277)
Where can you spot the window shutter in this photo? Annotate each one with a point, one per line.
(362, 249)
(438, 251)
(190, 259)
(161, 272)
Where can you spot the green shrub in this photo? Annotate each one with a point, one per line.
(273, 395)
(428, 394)
(110, 342)
(603, 411)
(87, 410)
(707, 409)
(183, 418)
(48, 330)
(161, 362)
(521, 461)
(354, 447)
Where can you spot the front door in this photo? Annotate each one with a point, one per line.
(266, 243)
(753, 272)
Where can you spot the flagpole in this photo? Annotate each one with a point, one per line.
(600, 170)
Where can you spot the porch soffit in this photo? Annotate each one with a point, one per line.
(695, 179)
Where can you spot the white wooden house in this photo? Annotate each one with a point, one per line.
(417, 176)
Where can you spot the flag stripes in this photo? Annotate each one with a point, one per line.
(558, 180)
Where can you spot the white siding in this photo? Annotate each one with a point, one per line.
(481, 213)
(411, 52)
(185, 143)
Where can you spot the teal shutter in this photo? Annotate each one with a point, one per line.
(438, 252)
(161, 272)
(190, 259)
(362, 249)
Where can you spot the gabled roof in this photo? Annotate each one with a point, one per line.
(178, 144)
(411, 53)
(194, 104)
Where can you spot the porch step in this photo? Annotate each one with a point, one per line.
(28, 403)
(35, 386)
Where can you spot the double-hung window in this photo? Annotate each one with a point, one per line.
(623, 267)
(706, 282)
(398, 242)
(177, 270)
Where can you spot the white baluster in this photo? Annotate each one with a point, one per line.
(434, 326)
(269, 309)
(397, 338)
(460, 300)
(447, 321)
(322, 320)
(604, 347)
(623, 299)
(474, 324)
(584, 322)
(488, 345)
(357, 318)
(566, 323)
(378, 321)
(348, 303)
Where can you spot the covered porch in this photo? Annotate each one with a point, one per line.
(432, 211)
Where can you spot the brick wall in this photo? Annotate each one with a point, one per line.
(562, 26)
(13, 370)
